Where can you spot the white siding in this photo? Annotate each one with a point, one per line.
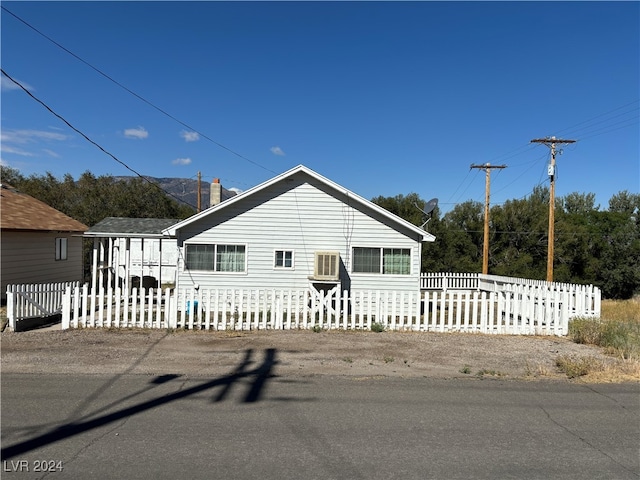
(29, 257)
(303, 217)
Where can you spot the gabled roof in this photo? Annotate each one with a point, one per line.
(426, 237)
(19, 211)
(130, 227)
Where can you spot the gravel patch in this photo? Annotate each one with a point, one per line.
(363, 354)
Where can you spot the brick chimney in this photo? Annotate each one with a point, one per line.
(216, 192)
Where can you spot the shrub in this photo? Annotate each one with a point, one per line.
(377, 327)
(620, 336)
(585, 330)
(577, 366)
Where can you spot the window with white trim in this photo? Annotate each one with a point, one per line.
(388, 261)
(61, 248)
(216, 258)
(283, 259)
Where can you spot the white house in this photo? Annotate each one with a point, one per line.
(298, 230)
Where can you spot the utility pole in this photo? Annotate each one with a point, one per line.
(199, 209)
(485, 247)
(551, 143)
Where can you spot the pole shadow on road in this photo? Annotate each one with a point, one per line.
(257, 376)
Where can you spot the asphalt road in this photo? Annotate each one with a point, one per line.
(251, 424)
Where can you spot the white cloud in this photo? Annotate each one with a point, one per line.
(16, 151)
(190, 136)
(277, 151)
(15, 142)
(29, 136)
(181, 161)
(139, 133)
(51, 153)
(7, 85)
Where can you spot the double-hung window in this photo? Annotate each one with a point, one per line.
(61, 248)
(396, 261)
(366, 260)
(216, 258)
(388, 261)
(283, 259)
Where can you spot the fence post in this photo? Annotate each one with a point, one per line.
(564, 330)
(66, 308)
(11, 308)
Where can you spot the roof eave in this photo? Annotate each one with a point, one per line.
(124, 235)
(425, 236)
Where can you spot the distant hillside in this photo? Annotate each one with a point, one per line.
(186, 189)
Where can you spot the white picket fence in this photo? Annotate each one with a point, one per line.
(35, 300)
(489, 283)
(520, 309)
(449, 281)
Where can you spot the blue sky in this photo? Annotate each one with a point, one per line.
(384, 98)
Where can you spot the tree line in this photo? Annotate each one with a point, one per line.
(592, 246)
(90, 199)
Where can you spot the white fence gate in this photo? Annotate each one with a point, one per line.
(519, 309)
(30, 301)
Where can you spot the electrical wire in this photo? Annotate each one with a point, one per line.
(139, 97)
(571, 130)
(458, 187)
(60, 117)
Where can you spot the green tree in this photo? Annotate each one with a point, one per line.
(518, 242)
(90, 199)
(410, 208)
(407, 207)
(460, 237)
(578, 203)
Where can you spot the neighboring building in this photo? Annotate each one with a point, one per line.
(132, 251)
(39, 244)
(298, 230)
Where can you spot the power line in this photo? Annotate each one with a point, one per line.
(89, 140)
(459, 185)
(570, 130)
(139, 97)
(551, 143)
(533, 163)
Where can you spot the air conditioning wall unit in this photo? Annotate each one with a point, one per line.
(326, 266)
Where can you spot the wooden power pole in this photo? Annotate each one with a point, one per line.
(551, 143)
(485, 246)
(199, 209)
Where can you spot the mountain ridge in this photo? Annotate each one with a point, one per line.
(184, 189)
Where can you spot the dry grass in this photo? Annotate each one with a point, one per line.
(3, 318)
(618, 332)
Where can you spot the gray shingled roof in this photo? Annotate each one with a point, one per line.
(129, 227)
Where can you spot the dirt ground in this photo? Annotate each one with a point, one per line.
(300, 353)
